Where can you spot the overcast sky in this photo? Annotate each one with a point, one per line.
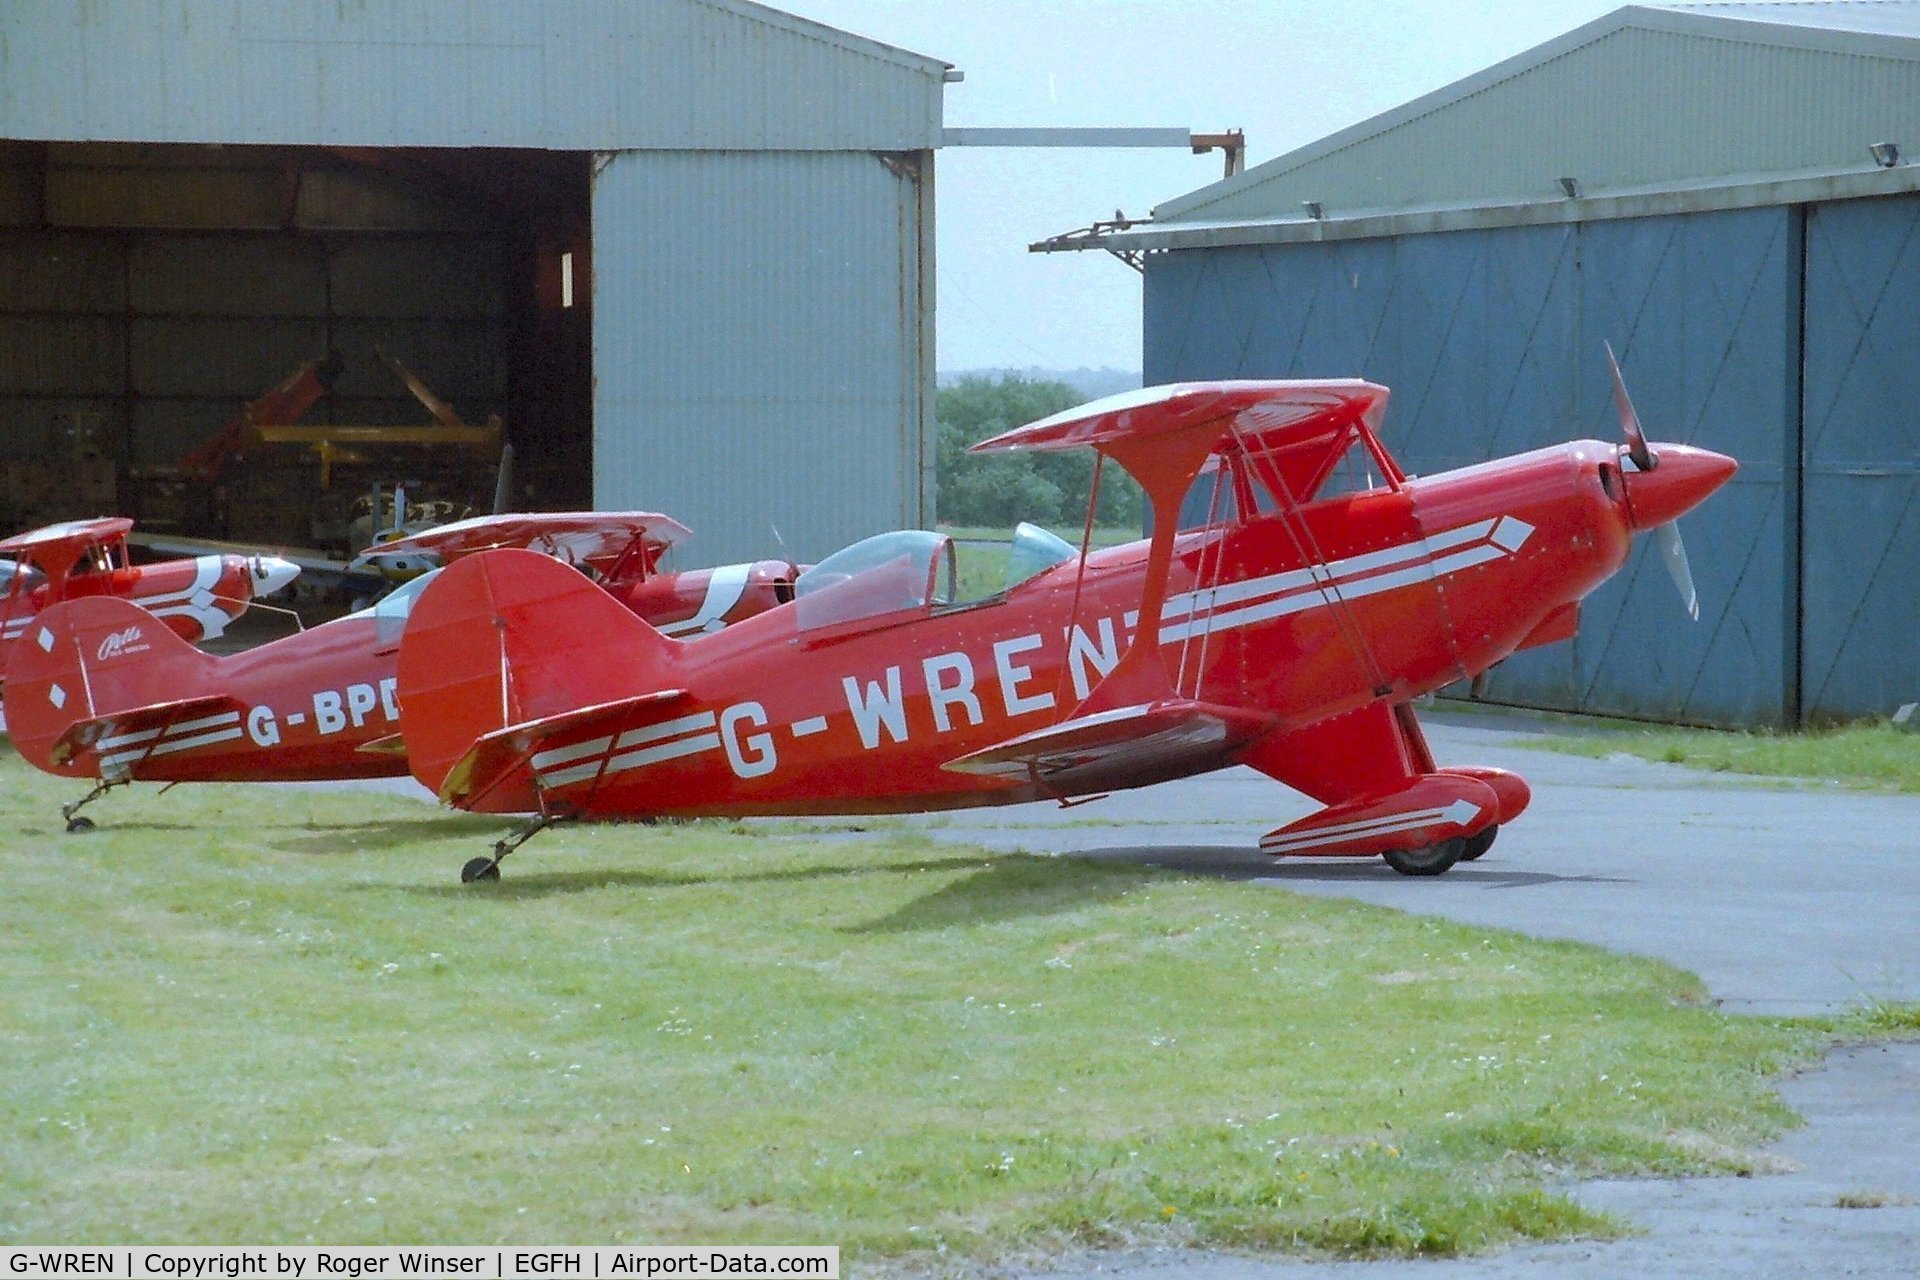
(1285, 71)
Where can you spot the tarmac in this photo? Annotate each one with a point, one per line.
(1785, 898)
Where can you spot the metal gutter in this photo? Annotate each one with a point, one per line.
(1744, 192)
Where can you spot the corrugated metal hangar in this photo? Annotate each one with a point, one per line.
(682, 248)
(1705, 188)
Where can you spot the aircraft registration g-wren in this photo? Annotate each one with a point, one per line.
(1280, 624)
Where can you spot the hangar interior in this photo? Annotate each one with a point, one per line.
(1724, 193)
(150, 291)
(681, 250)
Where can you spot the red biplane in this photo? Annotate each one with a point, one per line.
(1290, 626)
(195, 597)
(99, 693)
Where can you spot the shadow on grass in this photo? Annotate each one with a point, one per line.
(514, 887)
(1014, 887)
(1240, 863)
(1003, 886)
(386, 833)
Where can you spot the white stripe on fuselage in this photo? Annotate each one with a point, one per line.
(1226, 607)
(725, 586)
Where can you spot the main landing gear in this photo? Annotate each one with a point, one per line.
(488, 868)
(1437, 858)
(77, 825)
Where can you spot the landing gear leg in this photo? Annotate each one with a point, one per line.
(77, 825)
(489, 868)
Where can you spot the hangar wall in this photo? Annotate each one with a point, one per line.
(1491, 342)
(760, 336)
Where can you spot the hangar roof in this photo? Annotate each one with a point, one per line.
(556, 74)
(1646, 110)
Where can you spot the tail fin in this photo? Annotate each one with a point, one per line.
(86, 670)
(506, 637)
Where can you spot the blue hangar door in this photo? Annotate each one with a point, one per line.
(1860, 580)
(1492, 343)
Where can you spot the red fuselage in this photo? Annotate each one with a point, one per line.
(1384, 594)
(196, 598)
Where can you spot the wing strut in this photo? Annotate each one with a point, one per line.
(1205, 579)
(1080, 574)
(1300, 533)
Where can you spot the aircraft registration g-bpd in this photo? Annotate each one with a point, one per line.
(101, 690)
(1290, 627)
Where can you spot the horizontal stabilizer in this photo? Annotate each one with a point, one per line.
(1124, 745)
(494, 756)
(1427, 810)
(124, 739)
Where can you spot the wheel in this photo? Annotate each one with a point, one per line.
(1479, 842)
(479, 869)
(1430, 861)
(78, 826)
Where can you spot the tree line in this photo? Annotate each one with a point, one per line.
(1000, 489)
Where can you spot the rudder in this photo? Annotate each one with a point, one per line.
(89, 658)
(509, 636)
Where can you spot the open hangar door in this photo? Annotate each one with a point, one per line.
(148, 293)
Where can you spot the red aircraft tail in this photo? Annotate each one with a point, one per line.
(515, 640)
(97, 685)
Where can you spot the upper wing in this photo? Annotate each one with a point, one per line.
(70, 533)
(1297, 429)
(577, 537)
(1271, 411)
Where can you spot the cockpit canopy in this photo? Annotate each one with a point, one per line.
(887, 573)
(1035, 550)
(910, 569)
(390, 611)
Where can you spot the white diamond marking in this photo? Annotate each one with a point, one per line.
(57, 696)
(44, 640)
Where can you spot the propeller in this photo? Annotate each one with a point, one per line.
(1629, 420)
(503, 480)
(1673, 552)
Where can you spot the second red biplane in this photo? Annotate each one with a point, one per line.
(195, 597)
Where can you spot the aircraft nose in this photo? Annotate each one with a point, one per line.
(1682, 478)
(270, 573)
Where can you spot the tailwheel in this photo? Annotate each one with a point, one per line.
(1430, 861)
(480, 869)
(77, 825)
(1479, 842)
(489, 868)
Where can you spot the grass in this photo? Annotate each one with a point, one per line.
(981, 553)
(1870, 754)
(274, 1016)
